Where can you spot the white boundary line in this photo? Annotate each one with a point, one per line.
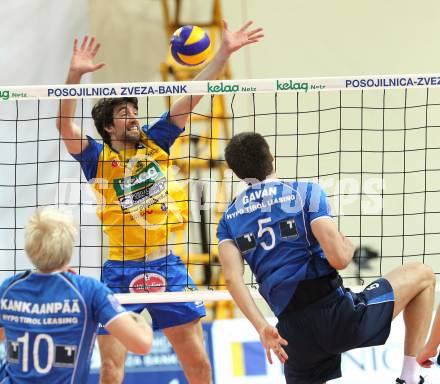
(217, 87)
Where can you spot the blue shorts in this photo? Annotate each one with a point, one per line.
(165, 274)
(339, 322)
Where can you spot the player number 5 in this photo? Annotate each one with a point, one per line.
(262, 231)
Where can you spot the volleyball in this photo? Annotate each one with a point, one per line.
(190, 45)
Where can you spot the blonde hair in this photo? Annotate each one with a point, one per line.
(49, 239)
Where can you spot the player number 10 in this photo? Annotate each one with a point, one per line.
(35, 352)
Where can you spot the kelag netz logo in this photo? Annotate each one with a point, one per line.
(4, 95)
(225, 88)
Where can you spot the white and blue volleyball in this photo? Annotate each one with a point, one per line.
(190, 45)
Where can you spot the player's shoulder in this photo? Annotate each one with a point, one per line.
(85, 284)
(230, 206)
(14, 279)
(306, 186)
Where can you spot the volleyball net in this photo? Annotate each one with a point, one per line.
(373, 143)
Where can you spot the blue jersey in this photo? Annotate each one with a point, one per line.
(270, 225)
(50, 322)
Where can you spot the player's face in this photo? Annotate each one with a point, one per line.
(126, 124)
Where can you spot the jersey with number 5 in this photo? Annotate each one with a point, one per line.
(270, 223)
(50, 322)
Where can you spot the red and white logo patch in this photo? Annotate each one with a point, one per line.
(148, 282)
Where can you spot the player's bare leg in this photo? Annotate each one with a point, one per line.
(414, 286)
(113, 355)
(187, 341)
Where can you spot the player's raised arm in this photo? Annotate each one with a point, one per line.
(80, 64)
(231, 42)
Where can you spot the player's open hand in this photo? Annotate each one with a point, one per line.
(424, 356)
(84, 55)
(272, 341)
(233, 41)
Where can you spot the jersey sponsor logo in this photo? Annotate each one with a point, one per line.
(65, 356)
(246, 242)
(115, 163)
(66, 306)
(288, 228)
(145, 197)
(142, 179)
(148, 282)
(141, 190)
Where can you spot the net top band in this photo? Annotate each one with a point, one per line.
(80, 91)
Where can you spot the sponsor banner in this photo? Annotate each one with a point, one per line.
(239, 358)
(217, 87)
(160, 366)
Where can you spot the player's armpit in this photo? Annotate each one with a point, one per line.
(337, 248)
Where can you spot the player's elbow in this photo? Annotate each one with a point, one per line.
(232, 278)
(142, 347)
(340, 259)
(339, 264)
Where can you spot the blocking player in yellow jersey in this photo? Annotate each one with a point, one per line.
(139, 206)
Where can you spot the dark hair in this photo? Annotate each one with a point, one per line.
(249, 157)
(102, 113)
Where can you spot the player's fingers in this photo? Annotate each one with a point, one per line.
(257, 30)
(92, 41)
(246, 25)
(96, 49)
(84, 42)
(75, 44)
(259, 36)
(251, 41)
(225, 24)
(269, 355)
(283, 355)
(283, 341)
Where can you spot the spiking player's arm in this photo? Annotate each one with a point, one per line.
(80, 64)
(2, 333)
(337, 248)
(231, 42)
(233, 268)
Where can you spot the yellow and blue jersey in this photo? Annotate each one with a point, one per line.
(138, 201)
(270, 223)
